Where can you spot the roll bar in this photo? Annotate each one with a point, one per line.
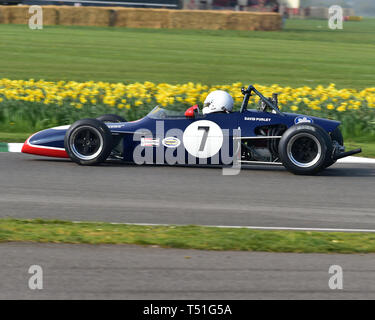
(247, 94)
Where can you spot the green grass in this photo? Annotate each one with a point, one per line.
(186, 237)
(13, 136)
(305, 53)
(368, 148)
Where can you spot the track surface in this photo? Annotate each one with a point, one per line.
(132, 272)
(341, 197)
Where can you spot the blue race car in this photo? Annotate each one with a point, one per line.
(267, 136)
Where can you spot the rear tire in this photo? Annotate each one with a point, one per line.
(305, 149)
(88, 142)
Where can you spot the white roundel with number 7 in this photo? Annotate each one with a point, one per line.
(203, 139)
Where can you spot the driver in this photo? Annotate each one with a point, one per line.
(218, 101)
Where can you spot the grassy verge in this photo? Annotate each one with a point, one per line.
(318, 56)
(13, 136)
(186, 237)
(368, 148)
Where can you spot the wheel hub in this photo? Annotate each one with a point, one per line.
(86, 142)
(304, 150)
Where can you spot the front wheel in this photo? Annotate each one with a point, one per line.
(88, 142)
(305, 149)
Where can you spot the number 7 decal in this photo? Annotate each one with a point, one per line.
(204, 138)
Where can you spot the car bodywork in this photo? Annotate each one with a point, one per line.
(257, 131)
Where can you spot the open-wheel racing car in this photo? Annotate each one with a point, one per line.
(302, 144)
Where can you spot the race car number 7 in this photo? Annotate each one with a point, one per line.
(203, 139)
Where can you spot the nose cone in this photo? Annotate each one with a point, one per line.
(49, 143)
(24, 148)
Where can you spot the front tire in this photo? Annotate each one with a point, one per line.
(305, 149)
(114, 118)
(88, 142)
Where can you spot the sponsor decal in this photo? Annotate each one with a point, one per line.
(150, 142)
(302, 127)
(115, 126)
(257, 119)
(303, 119)
(171, 142)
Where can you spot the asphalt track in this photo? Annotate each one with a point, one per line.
(34, 187)
(134, 272)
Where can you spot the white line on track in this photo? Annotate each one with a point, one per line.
(356, 160)
(15, 147)
(239, 227)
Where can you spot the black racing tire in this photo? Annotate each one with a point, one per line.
(111, 118)
(336, 135)
(88, 142)
(305, 149)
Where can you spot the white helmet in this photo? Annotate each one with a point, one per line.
(218, 101)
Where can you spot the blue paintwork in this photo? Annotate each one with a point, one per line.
(248, 121)
(49, 138)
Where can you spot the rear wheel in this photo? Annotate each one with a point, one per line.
(88, 142)
(305, 149)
